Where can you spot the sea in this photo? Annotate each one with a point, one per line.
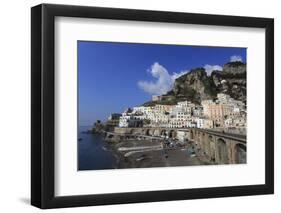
(93, 152)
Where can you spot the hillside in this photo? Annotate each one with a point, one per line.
(196, 86)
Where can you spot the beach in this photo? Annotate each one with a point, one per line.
(147, 154)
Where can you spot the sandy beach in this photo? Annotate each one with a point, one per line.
(147, 154)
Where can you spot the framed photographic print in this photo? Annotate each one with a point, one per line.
(139, 106)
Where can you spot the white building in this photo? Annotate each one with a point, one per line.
(131, 117)
(124, 120)
(204, 123)
(224, 112)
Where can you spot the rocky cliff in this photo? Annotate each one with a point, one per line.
(231, 80)
(196, 86)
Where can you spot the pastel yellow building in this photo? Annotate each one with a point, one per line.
(216, 111)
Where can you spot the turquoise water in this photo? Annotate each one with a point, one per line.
(92, 152)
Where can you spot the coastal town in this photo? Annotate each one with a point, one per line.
(222, 113)
(200, 120)
(213, 132)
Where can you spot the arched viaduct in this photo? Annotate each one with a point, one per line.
(218, 147)
(221, 148)
(146, 131)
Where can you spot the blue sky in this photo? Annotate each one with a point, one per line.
(114, 76)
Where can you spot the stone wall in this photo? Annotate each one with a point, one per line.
(219, 149)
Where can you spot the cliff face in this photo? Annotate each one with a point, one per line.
(232, 80)
(235, 67)
(196, 86)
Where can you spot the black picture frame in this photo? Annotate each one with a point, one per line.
(43, 111)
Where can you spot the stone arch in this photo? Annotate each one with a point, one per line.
(163, 132)
(240, 153)
(151, 132)
(191, 134)
(147, 132)
(132, 131)
(110, 136)
(222, 151)
(172, 134)
(156, 132)
(212, 151)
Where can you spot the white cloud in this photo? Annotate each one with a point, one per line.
(210, 68)
(235, 58)
(176, 75)
(164, 81)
